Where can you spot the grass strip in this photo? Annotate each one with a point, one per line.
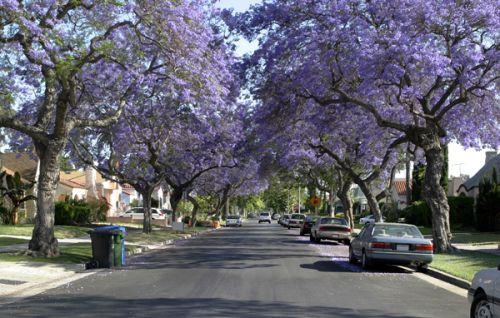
(465, 264)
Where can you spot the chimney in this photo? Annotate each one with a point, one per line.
(90, 183)
(490, 155)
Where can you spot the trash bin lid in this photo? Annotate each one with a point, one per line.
(111, 228)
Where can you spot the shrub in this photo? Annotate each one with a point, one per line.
(461, 211)
(4, 215)
(72, 212)
(340, 215)
(488, 204)
(418, 213)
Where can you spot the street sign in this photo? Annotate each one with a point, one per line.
(315, 201)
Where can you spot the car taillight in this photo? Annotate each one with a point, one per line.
(381, 245)
(349, 230)
(424, 247)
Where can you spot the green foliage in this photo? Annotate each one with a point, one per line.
(488, 204)
(15, 190)
(276, 196)
(418, 177)
(134, 203)
(4, 215)
(418, 213)
(461, 211)
(72, 212)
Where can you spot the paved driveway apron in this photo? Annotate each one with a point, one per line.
(254, 271)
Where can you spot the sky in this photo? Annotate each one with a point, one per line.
(461, 161)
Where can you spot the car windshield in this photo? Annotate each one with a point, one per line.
(333, 221)
(264, 214)
(297, 216)
(286, 216)
(311, 218)
(395, 230)
(233, 217)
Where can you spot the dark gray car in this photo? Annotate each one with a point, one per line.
(391, 243)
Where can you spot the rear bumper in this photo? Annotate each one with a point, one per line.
(334, 236)
(394, 257)
(294, 225)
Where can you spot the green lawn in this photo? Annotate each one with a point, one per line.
(464, 264)
(468, 236)
(61, 231)
(5, 241)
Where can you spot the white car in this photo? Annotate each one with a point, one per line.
(484, 294)
(368, 220)
(265, 217)
(138, 213)
(233, 220)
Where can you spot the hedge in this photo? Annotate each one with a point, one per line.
(461, 212)
(79, 212)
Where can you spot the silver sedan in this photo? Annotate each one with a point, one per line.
(391, 243)
(330, 229)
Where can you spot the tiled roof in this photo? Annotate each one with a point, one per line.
(400, 186)
(20, 162)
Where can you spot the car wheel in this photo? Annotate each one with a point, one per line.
(288, 227)
(346, 242)
(422, 268)
(480, 307)
(317, 239)
(311, 238)
(352, 258)
(365, 261)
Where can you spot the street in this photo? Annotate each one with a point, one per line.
(258, 270)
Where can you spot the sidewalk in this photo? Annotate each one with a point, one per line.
(485, 248)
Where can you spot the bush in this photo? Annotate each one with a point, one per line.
(461, 211)
(488, 204)
(71, 212)
(418, 214)
(4, 215)
(186, 219)
(340, 215)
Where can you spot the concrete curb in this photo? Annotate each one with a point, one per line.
(144, 249)
(450, 279)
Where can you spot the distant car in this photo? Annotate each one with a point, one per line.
(265, 217)
(296, 220)
(484, 294)
(138, 213)
(328, 228)
(233, 220)
(275, 216)
(368, 220)
(284, 220)
(308, 223)
(391, 243)
(252, 215)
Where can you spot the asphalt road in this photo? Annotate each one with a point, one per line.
(254, 271)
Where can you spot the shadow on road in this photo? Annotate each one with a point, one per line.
(105, 307)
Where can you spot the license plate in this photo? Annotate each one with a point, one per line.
(400, 247)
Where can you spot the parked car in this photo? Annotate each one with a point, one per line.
(484, 294)
(391, 243)
(296, 220)
(265, 217)
(252, 215)
(308, 223)
(328, 228)
(138, 213)
(275, 216)
(368, 220)
(284, 220)
(233, 220)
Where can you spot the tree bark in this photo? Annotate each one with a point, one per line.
(196, 207)
(146, 198)
(407, 179)
(43, 241)
(370, 197)
(345, 196)
(175, 198)
(435, 196)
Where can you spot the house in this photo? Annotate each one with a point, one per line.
(27, 166)
(398, 193)
(454, 184)
(470, 187)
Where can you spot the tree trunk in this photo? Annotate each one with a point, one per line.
(345, 196)
(370, 198)
(407, 179)
(196, 207)
(14, 215)
(226, 208)
(175, 198)
(146, 198)
(435, 196)
(43, 241)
